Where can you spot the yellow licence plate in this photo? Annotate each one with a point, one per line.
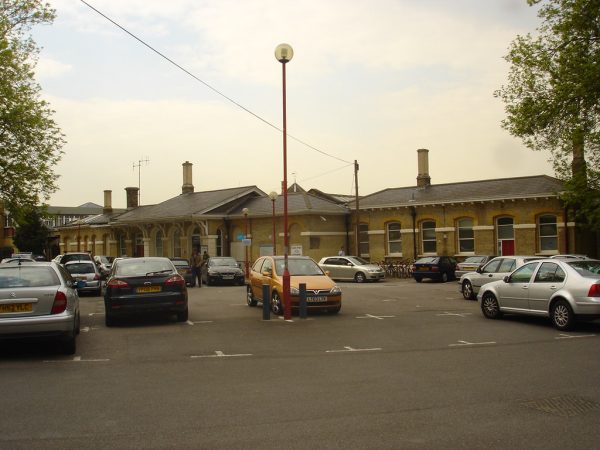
(16, 307)
(148, 289)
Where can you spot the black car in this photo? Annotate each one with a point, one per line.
(183, 267)
(438, 268)
(222, 269)
(148, 284)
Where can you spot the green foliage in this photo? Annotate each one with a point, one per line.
(30, 140)
(553, 95)
(31, 234)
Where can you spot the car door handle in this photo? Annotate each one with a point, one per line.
(553, 288)
(524, 287)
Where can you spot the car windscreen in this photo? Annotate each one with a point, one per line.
(427, 260)
(140, 267)
(586, 267)
(180, 263)
(222, 262)
(475, 259)
(358, 261)
(298, 267)
(75, 257)
(28, 276)
(80, 268)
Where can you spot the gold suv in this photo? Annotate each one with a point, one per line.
(321, 292)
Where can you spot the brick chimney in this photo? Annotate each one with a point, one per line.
(423, 178)
(187, 187)
(107, 209)
(132, 197)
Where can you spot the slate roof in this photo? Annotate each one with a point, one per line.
(298, 203)
(186, 205)
(470, 191)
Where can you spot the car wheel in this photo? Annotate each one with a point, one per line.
(418, 279)
(183, 315)
(276, 304)
(490, 307)
(360, 277)
(249, 297)
(467, 290)
(78, 324)
(109, 320)
(562, 316)
(444, 277)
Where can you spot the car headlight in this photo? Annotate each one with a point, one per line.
(374, 270)
(211, 272)
(294, 291)
(335, 290)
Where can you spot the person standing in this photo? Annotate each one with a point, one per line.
(196, 264)
(341, 252)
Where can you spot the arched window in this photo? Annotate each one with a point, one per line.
(177, 244)
(158, 243)
(428, 236)
(548, 233)
(466, 236)
(394, 238)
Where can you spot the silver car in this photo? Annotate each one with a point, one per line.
(39, 301)
(471, 264)
(88, 273)
(496, 269)
(559, 289)
(351, 268)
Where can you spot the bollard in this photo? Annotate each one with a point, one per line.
(266, 302)
(303, 308)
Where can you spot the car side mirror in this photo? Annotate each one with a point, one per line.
(267, 273)
(349, 264)
(327, 272)
(507, 279)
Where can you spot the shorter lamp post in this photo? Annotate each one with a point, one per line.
(246, 211)
(273, 196)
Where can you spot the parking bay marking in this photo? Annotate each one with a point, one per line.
(371, 316)
(350, 349)
(466, 343)
(189, 322)
(220, 354)
(75, 359)
(571, 336)
(446, 313)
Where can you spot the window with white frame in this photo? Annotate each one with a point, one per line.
(466, 236)
(158, 243)
(177, 244)
(122, 245)
(428, 236)
(548, 233)
(394, 238)
(363, 240)
(219, 242)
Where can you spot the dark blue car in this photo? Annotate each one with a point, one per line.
(438, 268)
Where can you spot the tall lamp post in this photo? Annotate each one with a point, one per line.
(246, 211)
(273, 196)
(284, 54)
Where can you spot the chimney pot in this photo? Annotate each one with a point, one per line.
(423, 178)
(132, 197)
(107, 209)
(187, 187)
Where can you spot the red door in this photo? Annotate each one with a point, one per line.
(508, 247)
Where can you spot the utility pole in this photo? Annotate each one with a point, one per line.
(139, 168)
(357, 216)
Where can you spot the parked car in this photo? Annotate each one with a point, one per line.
(88, 273)
(146, 284)
(438, 268)
(22, 259)
(39, 301)
(495, 270)
(184, 269)
(351, 268)
(222, 269)
(104, 263)
(322, 292)
(562, 290)
(75, 256)
(570, 256)
(471, 264)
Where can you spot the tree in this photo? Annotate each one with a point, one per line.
(31, 234)
(552, 98)
(30, 140)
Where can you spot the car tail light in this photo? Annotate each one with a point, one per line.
(60, 303)
(117, 284)
(413, 268)
(435, 269)
(594, 290)
(175, 280)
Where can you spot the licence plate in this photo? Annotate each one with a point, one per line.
(228, 277)
(148, 289)
(318, 299)
(423, 268)
(16, 307)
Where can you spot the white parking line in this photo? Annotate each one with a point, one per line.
(446, 313)
(466, 343)
(75, 359)
(350, 349)
(371, 316)
(220, 354)
(189, 322)
(570, 336)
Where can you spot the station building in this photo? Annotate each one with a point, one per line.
(521, 215)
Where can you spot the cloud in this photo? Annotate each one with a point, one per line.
(50, 68)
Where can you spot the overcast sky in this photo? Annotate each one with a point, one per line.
(371, 80)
